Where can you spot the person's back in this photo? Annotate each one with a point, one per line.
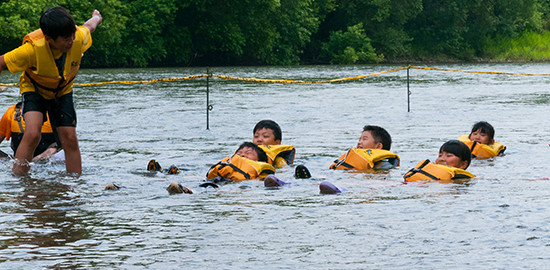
(12, 128)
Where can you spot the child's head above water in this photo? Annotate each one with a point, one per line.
(374, 137)
(251, 151)
(267, 132)
(454, 153)
(482, 132)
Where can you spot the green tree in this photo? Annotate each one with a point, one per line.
(351, 47)
(384, 22)
(246, 31)
(17, 18)
(440, 29)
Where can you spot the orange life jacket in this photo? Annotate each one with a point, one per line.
(279, 155)
(237, 168)
(426, 170)
(480, 150)
(364, 159)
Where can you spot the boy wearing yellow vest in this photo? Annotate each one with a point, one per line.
(267, 135)
(372, 152)
(49, 59)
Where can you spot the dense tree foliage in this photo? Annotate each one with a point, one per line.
(283, 32)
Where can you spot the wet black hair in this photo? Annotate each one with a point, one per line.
(380, 135)
(484, 127)
(269, 124)
(459, 149)
(262, 156)
(57, 22)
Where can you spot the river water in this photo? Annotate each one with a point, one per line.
(499, 220)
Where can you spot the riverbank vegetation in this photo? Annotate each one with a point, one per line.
(143, 33)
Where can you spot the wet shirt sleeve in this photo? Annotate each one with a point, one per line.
(84, 34)
(20, 58)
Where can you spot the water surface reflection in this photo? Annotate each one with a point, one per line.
(497, 220)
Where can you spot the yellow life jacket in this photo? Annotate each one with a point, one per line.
(18, 124)
(364, 159)
(45, 77)
(480, 150)
(238, 168)
(279, 155)
(426, 170)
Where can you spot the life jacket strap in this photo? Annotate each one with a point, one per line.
(18, 117)
(224, 164)
(413, 171)
(474, 144)
(343, 162)
(60, 86)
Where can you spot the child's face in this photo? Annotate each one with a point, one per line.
(265, 136)
(480, 137)
(64, 44)
(247, 152)
(449, 159)
(366, 141)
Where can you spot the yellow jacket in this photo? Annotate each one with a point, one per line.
(41, 73)
(426, 170)
(279, 155)
(483, 150)
(12, 126)
(365, 159)
(238, 168)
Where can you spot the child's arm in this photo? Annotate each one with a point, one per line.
(46, 154)
(94, 21)
(2, 63)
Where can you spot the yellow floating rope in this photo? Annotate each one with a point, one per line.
(146, 81)
(479, 72)
(283, 81)
(305, 82)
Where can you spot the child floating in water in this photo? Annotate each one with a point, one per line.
(268, 136)
(372, 152)
(450, 166)
(481, 141)
(248, 162)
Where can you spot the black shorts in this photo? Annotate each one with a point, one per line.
(61, 109)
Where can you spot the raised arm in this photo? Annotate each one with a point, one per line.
(2, 63)
(94, 21)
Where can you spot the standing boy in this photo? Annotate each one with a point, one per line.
(49, 59)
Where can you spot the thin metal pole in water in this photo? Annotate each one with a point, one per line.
(408, 90)
(207, 99)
